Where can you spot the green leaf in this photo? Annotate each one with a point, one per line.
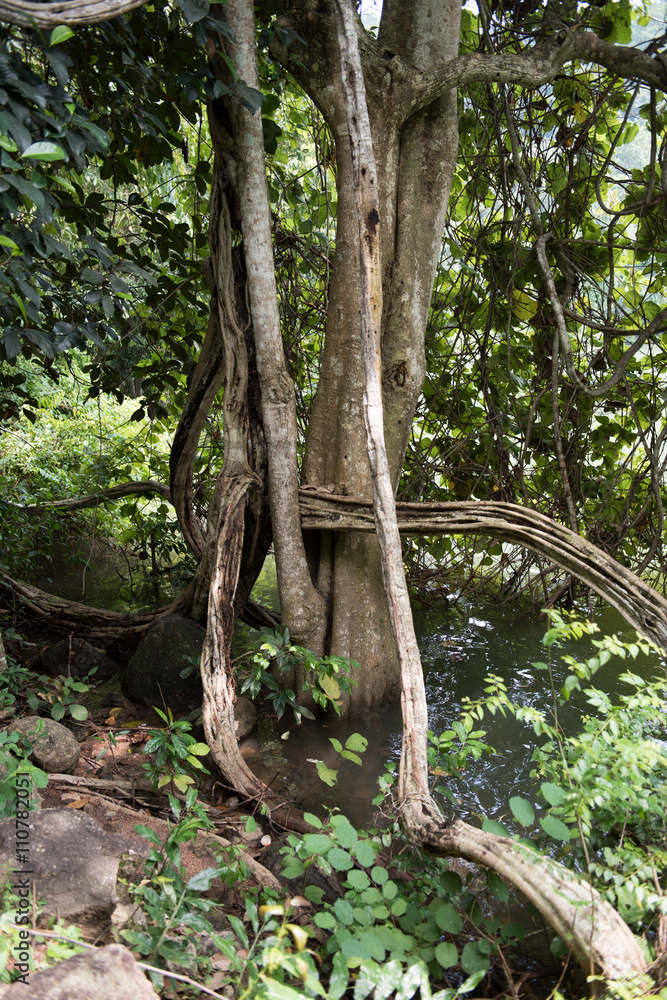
(492, 826)
(379, 875)
(326, 774)
(448, 919)
(496, 886)
(11, 343)
(279, 991)
(325, 920)
(46, 152)
(364, 853)
(60, 34)
(330, 686)
(358, 880)
(473, 961)
(148, 834)
(555, 828)
(202, 880)
(339, 859)
(446, 954)
(316, 843)
(6, 242)
(249, 98)
(356, 742)
(313, 820)
(78, 712)
(199, 749)
(340, 975)
(344, 911)
(554, 794)
(522, 810)
(346, 835)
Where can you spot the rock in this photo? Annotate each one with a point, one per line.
(153, 675)
(54, 749)
(109, 973)
(73, 862)
(75, 658)
(245, 717)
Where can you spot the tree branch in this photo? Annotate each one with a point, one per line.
(537, 66)
(95, 499)
(72, 12)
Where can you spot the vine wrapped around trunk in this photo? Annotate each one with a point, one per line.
(591, 928)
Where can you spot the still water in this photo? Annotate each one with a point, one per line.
(460, 647)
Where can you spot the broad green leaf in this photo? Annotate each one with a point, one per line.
(492, 826)
(554, 794)
(364, 853)
(496, 886)
(358, 880)
(473, 960)
(316, 843)
(60, 34)
(522, 810)
(555, 828)
(339, 859)
(356, 742)
(6, 242)
(379, 875)
(202, 880)
(346, 835)
(47, 152)
(446, 954)
(340, 975)
(313, 820)
(448, 919)
(78, 712)
(330, 686)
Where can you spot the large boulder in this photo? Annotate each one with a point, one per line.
(109, 973)
(54, 749)
(73, 862)
(153, 675)
(75, 658)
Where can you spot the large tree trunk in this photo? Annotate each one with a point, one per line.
(416, 155)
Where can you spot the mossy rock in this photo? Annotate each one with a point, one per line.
(153, 675)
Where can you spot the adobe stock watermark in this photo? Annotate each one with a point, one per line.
(21, 879)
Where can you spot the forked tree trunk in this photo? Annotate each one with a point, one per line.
(589, 926)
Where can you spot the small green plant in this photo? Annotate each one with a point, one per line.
(325, 678)
(13, 938)
(448, 753)
(354, 745)
(174, 912)
(176, 751)
(61, 695)
(17, 774)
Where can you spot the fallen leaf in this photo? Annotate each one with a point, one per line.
(79, 804)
